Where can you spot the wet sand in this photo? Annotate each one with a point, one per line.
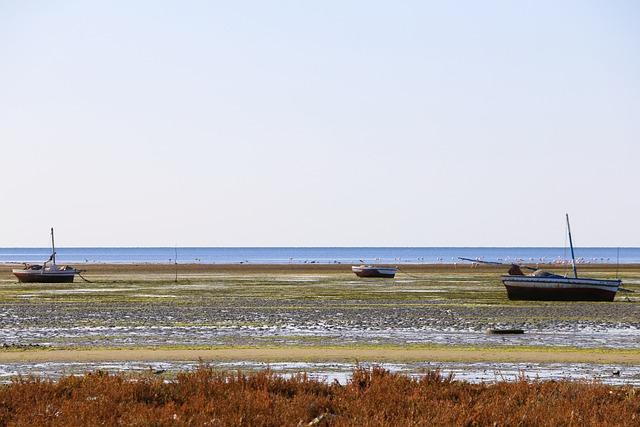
(334, 354)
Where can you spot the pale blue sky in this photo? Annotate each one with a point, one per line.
(327, 123)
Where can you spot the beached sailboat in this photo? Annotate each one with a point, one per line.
(48, 272)
(552, 287)
(542, 285)
(374, 271)
(545, 286)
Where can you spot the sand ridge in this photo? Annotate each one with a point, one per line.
(320, 354)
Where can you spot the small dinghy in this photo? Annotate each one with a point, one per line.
(374, 271)
(502, 331)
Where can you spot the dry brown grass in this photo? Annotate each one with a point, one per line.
(372, 397)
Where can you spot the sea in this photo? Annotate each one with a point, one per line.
(320, 255)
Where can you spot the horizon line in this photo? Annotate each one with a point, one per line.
(317, 247)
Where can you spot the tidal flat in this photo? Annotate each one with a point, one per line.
(307, 306)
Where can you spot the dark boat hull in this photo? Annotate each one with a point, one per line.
(29, 277)
(535, 294)
(374, 273)
(526, 288)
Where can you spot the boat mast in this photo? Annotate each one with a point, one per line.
(573, 257)
(53, 248)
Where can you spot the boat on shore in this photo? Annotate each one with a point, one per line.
(545, 286)
(374, 271)
(559, 288)
(47, 272)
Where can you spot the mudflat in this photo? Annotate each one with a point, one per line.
(309, 312)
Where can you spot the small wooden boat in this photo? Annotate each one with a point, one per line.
(545, 286)
(500, 331)
(48, 272)
(373, 271)
(560, 288)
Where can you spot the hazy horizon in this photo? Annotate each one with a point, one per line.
(329, 124)
(323, 255)
(315, 247)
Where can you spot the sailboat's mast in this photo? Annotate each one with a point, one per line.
(53, 248)
(573, 257)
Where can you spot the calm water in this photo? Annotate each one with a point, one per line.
(283, 255)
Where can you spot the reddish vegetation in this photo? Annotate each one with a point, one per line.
(372, 397)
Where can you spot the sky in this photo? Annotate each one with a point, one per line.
(319, 123)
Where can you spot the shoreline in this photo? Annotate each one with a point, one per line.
(311, 268)
(328, 354)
